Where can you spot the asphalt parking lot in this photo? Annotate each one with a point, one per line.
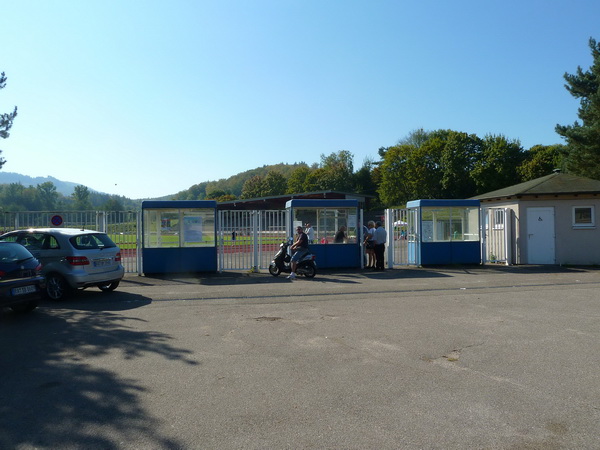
(433, 358)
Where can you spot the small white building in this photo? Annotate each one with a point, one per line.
(551, 220)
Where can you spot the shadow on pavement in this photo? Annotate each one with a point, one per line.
(52, 398)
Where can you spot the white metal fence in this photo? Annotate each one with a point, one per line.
(249, 239)
(400, 227)
(124, 228)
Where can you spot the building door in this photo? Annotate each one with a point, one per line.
(540, 236)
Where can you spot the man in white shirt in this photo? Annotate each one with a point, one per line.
(310, 232)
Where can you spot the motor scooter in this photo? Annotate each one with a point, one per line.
(281, 262)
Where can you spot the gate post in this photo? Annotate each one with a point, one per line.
(389, 229)
(254, 241)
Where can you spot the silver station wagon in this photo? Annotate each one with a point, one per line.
(72, 258)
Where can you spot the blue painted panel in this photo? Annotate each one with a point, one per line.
(436, 253)
(180, 260)
(466, 252)
(330, 256)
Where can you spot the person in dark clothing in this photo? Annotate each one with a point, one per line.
(340, 236)
(299, 249)
(380, 237)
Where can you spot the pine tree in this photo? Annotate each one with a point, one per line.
(583, 139)
(6, 120)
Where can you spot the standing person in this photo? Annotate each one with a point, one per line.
(340, 236)
(380, 237)
(310, 232)
(369, 243)
(299, 248)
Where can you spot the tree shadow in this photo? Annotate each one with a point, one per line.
(52, 398)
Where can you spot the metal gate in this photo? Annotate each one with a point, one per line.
(249, 239)
(400, 225)
(123, 227)
(496, 235)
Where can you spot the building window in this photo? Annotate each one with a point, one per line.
(583, 217)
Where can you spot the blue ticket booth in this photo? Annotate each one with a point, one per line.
(444, 232)
(335, 236)
(179, 236)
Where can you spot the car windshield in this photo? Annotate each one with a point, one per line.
(10, 252)
(92, 241)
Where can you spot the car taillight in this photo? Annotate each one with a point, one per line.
(2, 273)
(118, 257)
(38, 269)
(77, 260)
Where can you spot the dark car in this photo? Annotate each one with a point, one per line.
(21, 280)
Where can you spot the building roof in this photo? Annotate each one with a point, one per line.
(556, 183)
(279, 201)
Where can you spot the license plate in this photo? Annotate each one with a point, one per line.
(102, 262)
(23, 290)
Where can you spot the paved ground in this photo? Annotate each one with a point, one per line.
(444, 358)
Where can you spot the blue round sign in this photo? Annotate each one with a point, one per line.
(56, 221)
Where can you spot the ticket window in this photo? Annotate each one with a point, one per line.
(179, 227)
(330, 225)
(449, 224)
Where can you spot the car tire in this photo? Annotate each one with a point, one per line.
(109, 287)
(24, 308)
(57, 287)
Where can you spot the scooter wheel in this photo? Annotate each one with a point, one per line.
(274, 270)
(310, 271)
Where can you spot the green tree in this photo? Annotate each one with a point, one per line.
(6, 119)
(113, 203)
(541, 160)
(81, 198)
(364, 181)
(274, 183)
(253, 187)
(395, 187)
(338, 171)
(495, 167)
(297, 181)
(458, 154)
(11, 197)
(583, 139)
(47, 195)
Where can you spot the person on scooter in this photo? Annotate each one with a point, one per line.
(299, 248)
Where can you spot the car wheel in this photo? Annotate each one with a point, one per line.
(25, 307)
(57, 287)
(274, 270)
(109, 287)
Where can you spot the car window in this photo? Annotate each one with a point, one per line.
(9, 238)
(50, 243)
(91, 241)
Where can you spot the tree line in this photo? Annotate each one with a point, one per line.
(44, 197)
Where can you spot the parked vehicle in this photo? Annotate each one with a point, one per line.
(21, 280)
(72, 258)
(281, 262)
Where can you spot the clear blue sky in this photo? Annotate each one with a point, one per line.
(147, 98)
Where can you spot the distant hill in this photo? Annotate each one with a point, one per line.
(64, 187)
